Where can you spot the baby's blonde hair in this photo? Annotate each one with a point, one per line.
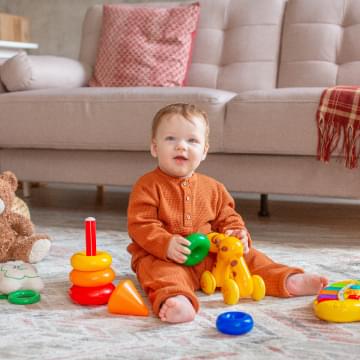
(188, 111)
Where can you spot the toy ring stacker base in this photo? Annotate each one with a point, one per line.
(81, 262)
(234, 323)
(339, 302)
(200, 246)
(23, 297)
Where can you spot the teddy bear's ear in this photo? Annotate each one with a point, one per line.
(10, 177)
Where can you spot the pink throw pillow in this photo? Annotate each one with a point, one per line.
(145, 46)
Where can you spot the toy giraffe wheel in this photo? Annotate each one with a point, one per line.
(230, 272)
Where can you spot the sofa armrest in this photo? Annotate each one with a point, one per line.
(30, 72)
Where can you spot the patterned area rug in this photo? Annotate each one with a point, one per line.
(57, 329)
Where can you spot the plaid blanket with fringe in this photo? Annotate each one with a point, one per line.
(338, 121)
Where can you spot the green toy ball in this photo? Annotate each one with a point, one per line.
(200, 246)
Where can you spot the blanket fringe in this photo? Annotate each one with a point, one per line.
(329, 134)
(352, 145)
(339, 125)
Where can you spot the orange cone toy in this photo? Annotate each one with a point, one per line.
(126, 300)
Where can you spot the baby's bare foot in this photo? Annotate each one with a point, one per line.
(305, 284)
(177, 309)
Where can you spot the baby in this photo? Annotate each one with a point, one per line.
(173, 201)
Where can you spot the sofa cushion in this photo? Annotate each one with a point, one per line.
(29, 72)
(236, 46)
(99, 118)
(320, 45)
(161, 37)
(278, 122)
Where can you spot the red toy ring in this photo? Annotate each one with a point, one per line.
(98, 295)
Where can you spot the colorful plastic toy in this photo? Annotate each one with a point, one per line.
(230, 273)
(339, 302)
(234, 323)
(199, 247)
(126, 300)
(91, 275)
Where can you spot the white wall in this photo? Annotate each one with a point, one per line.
(56, 24)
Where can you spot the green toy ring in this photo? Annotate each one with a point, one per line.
(200, 246)
(23, 297)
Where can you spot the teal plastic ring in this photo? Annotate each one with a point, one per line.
(200, 246)
(23, 297)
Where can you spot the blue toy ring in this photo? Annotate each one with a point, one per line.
(234, 323)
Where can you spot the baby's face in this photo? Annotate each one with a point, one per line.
(179, 145)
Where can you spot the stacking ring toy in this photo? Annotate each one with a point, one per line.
(101, 261)
(98, 295)
(92, 278)
(23, 297)
(234, 323)
(339, 302)
(200, 246)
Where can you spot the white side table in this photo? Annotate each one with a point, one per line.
(11, 48)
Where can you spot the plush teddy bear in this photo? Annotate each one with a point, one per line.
(17, 238)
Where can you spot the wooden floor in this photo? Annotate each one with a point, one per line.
(312, 223)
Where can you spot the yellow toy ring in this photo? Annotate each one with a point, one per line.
(92, 278)
(81, 262)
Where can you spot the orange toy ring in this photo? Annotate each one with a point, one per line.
(92, 278)
(81, 262)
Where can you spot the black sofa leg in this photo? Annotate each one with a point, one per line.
(100, 194)
(264, 209)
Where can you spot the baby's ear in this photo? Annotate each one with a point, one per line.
(153, 148)
(205, 152)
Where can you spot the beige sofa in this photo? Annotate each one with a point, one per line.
(258, 69)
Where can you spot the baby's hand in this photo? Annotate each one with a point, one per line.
(242, 235)
(178, 248)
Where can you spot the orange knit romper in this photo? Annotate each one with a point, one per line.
(161, 206)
